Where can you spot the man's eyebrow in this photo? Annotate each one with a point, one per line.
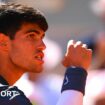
(33, 31)
(29, 31)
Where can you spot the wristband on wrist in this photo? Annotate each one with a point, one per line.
(75, 79)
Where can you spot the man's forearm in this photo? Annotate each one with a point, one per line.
(71, 97)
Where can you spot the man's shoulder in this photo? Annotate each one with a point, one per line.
(11, 95)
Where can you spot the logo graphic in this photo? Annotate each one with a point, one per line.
(9, 93)
(66, 80)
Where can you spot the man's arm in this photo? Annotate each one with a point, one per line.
(71, 97)
(76, 60)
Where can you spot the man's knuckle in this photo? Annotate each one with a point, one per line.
(78, 44)
(84, 46)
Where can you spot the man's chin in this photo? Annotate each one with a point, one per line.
(37, 70)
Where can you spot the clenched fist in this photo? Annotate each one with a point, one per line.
(77, 55)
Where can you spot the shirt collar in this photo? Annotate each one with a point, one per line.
(3, 81)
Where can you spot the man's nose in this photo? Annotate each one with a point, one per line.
(42, 46)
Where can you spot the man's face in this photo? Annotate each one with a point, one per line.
(26, 50)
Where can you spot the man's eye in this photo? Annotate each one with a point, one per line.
(31, 36)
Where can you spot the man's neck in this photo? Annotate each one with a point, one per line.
(9, 71)
(11, 76)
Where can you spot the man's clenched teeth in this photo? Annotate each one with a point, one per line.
(39, 57)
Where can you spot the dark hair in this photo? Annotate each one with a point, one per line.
(12, 16)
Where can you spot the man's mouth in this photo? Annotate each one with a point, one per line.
(40, 57)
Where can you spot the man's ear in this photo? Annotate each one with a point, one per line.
(4, 41)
